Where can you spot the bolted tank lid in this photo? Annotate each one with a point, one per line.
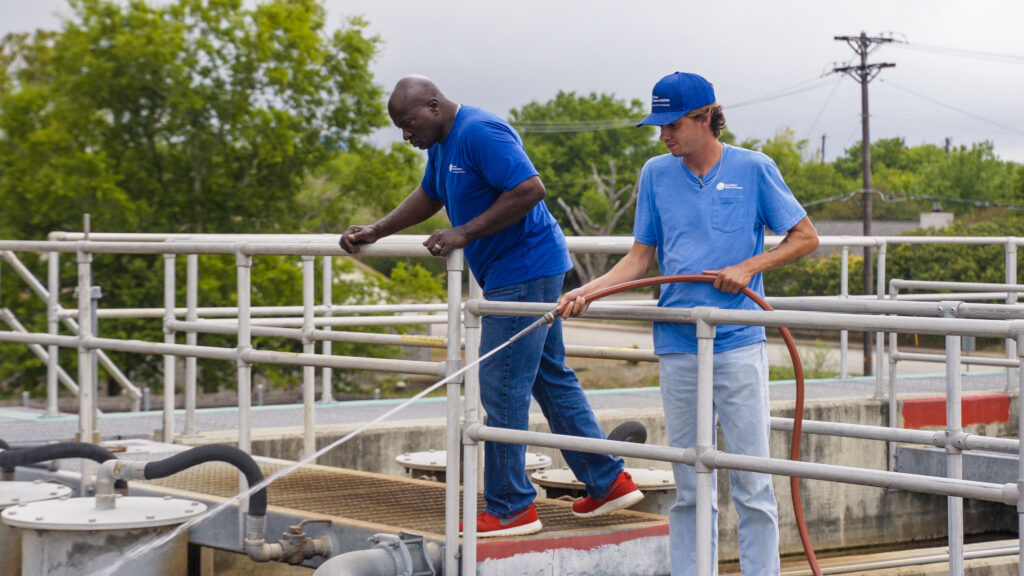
(437, 459)
(14, 493)
(82, 514)
(645, 478)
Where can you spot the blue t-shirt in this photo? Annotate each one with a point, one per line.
(707, 225)
(481, 158)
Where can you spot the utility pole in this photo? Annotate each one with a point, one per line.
(822, 149)
(864, 73)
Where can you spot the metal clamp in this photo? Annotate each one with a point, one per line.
(408, 552)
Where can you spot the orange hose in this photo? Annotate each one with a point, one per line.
(798, 370)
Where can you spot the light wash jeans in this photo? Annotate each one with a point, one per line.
(741, 407)
(534, 364)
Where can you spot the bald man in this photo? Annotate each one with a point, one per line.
(478, 170)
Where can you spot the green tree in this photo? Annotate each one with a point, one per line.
(589, 155)
(200, 116)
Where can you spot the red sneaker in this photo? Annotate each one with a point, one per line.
(520, 524)
(623, 494)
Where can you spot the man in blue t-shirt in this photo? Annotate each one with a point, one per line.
(703, 208)
(477, 169)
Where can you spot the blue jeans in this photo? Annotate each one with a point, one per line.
(741, 407)
(534, 364)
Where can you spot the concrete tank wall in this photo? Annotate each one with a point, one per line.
(838, 515)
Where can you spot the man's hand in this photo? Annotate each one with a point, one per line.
(443, 242)
(573, 303)
(731, 279)
(356, 235)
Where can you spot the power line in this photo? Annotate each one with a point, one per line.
(954, 108)
(890, 197)
(961, 52)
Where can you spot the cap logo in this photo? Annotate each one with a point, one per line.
(660, 101)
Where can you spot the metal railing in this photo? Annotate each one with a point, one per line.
(844, 314)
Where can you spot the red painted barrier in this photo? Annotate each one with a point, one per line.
(976, 409)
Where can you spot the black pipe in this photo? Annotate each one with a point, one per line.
(9, 459)
(629, 431)
(4, 445)
(214, 453)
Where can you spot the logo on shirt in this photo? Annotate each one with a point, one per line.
(452, 168)
(724, 186)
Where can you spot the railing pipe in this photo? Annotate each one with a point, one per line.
(86, 425)
(705, 441)
(52, 328)
(169, 338)
(453, 433)
(880, 336)
(471, 448)
(309, 348)
(954, 458)
(844, 294)
(326, 346)
(191, 339)
(1010, 257)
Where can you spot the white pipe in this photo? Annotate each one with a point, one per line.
(705, 441)
(1011, 299)
(471, 448)
(52, 328)
(844, 293)
(453, 432)
(327, 375)
(191, 339)
(954, 458)
(271, 311)
(790, 319)
(308, 347)
(86, 401)
(169, 360)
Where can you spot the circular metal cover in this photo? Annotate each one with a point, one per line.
(645, 478)
(13, 493)
(81, 513)
(436, 460)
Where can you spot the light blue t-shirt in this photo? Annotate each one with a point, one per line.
(709, 224)
(479, 159)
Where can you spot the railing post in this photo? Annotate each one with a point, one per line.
(86, 425)
(893, 381)
(308, 347)
(1020, 454)
(169, 360)
(327, 375)
(1011, 298)
(471, 448)
(844, 292)
(954, 457)
(52, 328)
(243, 263)
(705, 442)
(453, 431)
(191, 339)
(880, 336)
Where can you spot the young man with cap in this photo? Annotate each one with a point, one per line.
(702, 208)
(477, 169)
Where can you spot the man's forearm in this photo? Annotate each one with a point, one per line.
(416, 208)
(510, 207)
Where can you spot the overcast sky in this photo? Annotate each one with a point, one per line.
(961, 75)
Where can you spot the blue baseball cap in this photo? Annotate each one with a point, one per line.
(676, 95)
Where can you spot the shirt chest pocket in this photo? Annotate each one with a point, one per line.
(728, 212)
